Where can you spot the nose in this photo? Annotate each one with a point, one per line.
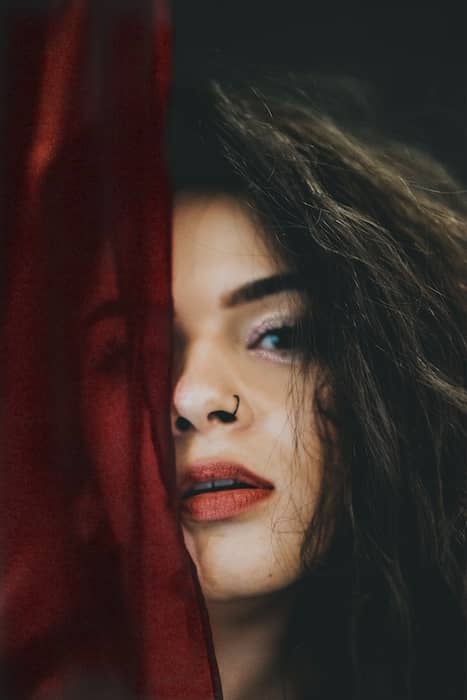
(206, 395)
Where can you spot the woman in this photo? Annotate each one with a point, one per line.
(318, 403)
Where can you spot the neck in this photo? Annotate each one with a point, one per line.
(247, 636)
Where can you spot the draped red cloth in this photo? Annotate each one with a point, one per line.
(83, 614)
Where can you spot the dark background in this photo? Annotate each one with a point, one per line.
(413, 53)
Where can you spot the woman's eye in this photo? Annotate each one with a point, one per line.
(281, 340)
(113, 357)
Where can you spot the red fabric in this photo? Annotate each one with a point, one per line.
(85, 101)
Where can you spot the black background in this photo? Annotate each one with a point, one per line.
(413, 53)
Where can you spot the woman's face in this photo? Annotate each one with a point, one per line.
(233, 350)
(248, 462)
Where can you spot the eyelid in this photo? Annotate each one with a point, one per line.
(270, 324)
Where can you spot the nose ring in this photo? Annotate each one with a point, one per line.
(236, 396)
(226, 416)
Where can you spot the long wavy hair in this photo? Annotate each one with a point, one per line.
(376, 230)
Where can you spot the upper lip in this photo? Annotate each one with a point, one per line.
(210, 470)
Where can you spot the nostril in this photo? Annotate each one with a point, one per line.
(182, 424)
(224, 416)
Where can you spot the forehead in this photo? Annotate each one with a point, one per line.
(217, 242)
(217, 246)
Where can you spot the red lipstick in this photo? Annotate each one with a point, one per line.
(219, 490)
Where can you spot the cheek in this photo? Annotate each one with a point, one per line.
(298, 460)
(110, 444)
(105, 419)
(291, 429)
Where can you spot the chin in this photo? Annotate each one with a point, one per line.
(234, 567)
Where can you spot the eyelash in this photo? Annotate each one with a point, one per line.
(112, 358)
(275, 329)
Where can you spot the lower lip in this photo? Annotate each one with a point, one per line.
(221, 505)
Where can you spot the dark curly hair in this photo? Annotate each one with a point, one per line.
(376, 230)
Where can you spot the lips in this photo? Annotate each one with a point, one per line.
(219, 490)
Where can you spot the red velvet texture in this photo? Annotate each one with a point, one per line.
(86, 91)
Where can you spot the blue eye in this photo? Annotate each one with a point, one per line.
(278, 339)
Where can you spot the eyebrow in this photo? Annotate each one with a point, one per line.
(249, 292)
(108, 309)
(258, 289)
